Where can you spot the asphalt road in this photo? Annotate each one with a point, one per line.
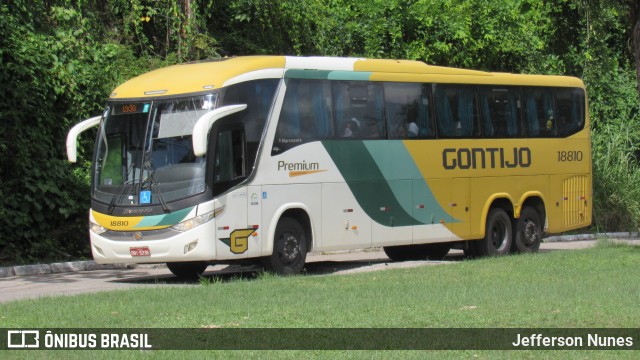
(73, 283)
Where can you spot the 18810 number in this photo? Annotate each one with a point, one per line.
(569, 156)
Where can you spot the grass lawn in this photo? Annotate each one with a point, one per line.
(591, 288)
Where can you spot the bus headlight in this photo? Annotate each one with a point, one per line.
(95, 228)
(192, 223)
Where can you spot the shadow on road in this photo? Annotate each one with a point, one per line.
(250, 273)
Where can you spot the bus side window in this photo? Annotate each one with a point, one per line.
(408, 111)
(500, 109)
(538, 112)
(306, 111)
(359, 109)
(570, 110)
(456, 110)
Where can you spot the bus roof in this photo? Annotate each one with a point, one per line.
(203, 76)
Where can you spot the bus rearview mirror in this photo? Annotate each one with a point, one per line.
(72, 136)
(204, 123)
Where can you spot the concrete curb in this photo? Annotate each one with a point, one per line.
(62, 267)
(90, 265)
(583, 237)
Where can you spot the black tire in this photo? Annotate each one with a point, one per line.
(188, 270)
(498, 234)
(289, 248)
(528, 231)
(417, 252)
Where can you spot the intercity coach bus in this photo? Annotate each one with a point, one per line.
(266, 158)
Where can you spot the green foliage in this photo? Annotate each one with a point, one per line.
(615, 154)
(55, 78)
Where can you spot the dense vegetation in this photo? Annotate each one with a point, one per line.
(59, 60)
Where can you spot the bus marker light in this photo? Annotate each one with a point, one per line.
(255, 227)
(192, 245)
(442, 221)
(98, 250)
(155, 92)
(254, 234)
(354, 227)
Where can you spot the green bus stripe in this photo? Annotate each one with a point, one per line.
(396, 163)
(367, 183)
(327, 75)
(164, 220)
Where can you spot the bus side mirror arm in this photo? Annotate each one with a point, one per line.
(72, 146)
(203, 125)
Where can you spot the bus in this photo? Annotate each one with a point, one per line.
(266, 158)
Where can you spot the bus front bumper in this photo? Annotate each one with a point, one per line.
(157, 246)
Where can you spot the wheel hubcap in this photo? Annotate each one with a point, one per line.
(498, 235)
(530, 233)
(291, 248)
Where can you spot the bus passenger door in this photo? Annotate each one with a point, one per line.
(233, 231)
(344, 223)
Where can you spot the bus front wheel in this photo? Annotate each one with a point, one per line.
(528, 230)
(189, 270)
(498, 234)
(289, 248)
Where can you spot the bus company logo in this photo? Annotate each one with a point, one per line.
(238, 240)
(137, 211)
(486, 158)
(23, 339)
(299, 168)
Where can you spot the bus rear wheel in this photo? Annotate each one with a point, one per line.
(189, 270)
(498, 234)
(289, 248)
(528, 230)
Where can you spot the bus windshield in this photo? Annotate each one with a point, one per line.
(144, 152)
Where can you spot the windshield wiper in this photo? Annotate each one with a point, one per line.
(152, 183)
(121, 187)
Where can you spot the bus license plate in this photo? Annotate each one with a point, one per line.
(140, 251)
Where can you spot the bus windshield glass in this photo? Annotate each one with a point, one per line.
(145, 154)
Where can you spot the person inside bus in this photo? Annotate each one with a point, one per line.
(351, 128)
(372, 129)
(412, 130)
